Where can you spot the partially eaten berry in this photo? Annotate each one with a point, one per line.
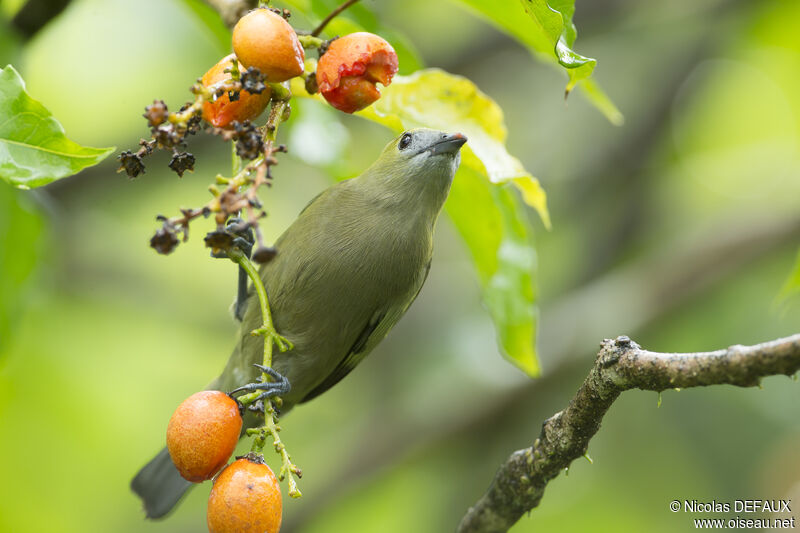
(348, 71)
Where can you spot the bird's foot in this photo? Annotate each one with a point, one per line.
(238, 234)
(264, 389)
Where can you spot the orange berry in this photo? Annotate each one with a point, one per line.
(221, 112)
(348, 71)
(264, 40)
(246, 498)
(203, 433)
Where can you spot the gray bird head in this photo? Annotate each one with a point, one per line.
(418, 165)
(425, 150)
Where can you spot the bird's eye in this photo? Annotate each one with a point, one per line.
(405, 141)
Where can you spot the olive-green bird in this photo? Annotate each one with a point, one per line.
(346, 270)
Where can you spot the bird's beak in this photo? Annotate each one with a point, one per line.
(450, 144)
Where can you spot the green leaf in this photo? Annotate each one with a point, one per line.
(547, 30)
(33, 148)
(486, 212)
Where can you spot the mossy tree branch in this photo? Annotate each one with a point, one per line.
(621, 365)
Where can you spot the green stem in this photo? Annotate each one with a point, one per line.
(280, 105)
(236, 161)
(288, 469)
(267, 329)
(310, 41)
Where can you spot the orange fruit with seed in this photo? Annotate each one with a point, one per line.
(221, 112)
(348, 71)
(263, 39)
(246, 498)
(203, 433)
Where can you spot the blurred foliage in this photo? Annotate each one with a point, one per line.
(546, 28)
(791, 286)
(34, 149)
(210, 20)
(111, 336)
(21, 250)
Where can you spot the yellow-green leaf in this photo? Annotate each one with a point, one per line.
(495, 228)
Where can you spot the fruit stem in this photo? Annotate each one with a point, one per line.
(270, 427)
(280, 104)
(310, 41)
(236, 162)
(267, 329)
(288, 469)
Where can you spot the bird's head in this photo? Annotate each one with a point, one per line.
(418, 165)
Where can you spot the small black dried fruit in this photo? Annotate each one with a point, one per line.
(253, 81)
(164, 241)
(181, 162)
(131, 163)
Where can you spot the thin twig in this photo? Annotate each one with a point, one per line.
(331, 16)
(621, 365)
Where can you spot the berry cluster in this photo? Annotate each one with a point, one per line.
(235, 91)
(201, 437)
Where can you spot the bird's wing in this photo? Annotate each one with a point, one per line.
(373, 332)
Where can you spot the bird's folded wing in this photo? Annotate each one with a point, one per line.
(370, 335)
(373, 332)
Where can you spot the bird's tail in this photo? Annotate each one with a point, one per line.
(159, 485)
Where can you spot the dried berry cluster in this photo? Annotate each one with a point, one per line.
(245, 94)
(267, 53)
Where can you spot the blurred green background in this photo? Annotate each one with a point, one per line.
(677, 229)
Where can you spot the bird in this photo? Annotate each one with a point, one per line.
(346, 270)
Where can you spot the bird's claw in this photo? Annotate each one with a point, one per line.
(245, 239)
(269, 389)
